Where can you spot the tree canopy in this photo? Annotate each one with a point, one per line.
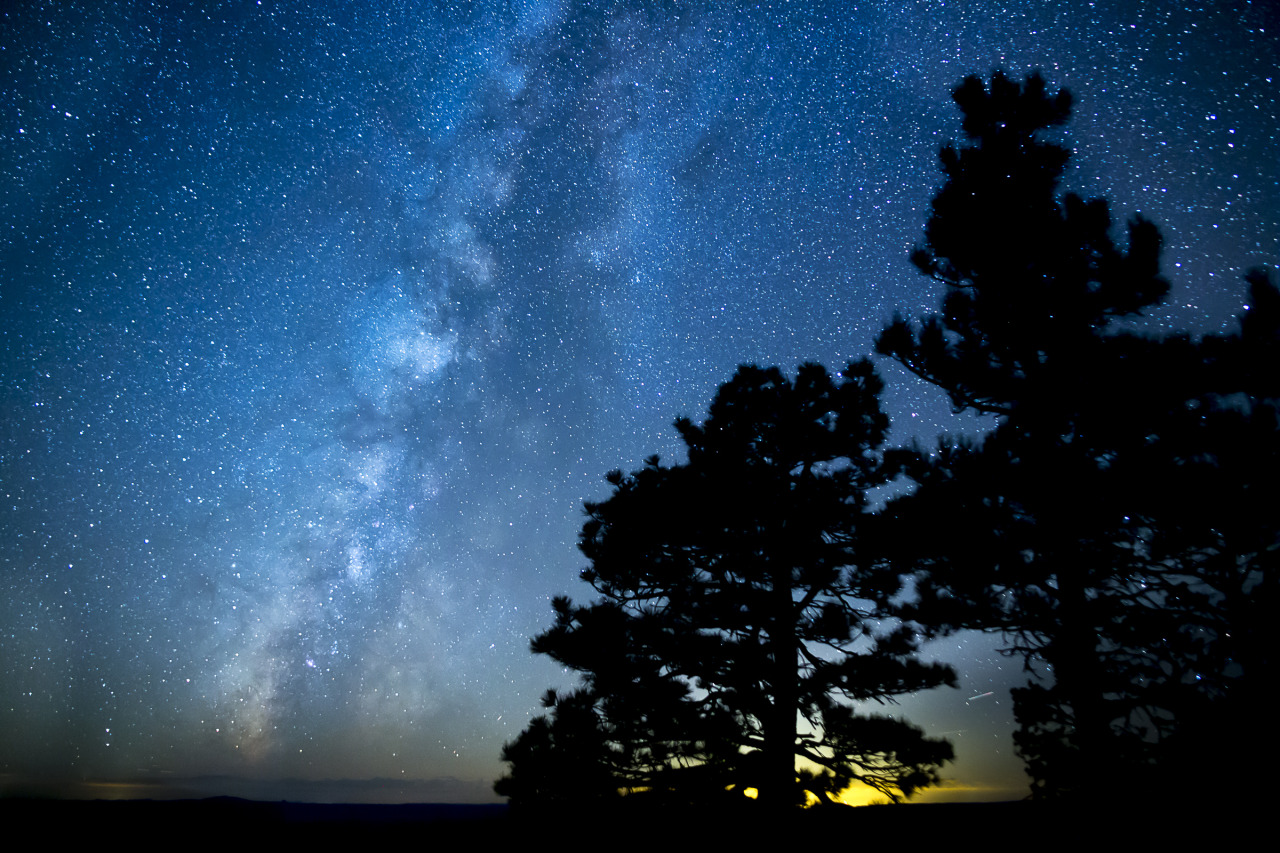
(1059, 528)
(736, 626)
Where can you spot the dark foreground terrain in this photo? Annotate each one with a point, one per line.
(1018, 825)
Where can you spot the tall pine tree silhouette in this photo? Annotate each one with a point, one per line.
(1031, 537)
(736, 622)
(1116, 525)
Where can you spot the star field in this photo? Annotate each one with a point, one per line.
(318, 322)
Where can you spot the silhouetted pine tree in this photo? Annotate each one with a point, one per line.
(736, 625)
(1057, 528)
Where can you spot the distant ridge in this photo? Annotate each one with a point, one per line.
(220, 817)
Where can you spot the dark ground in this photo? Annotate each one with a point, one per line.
(1018, 825)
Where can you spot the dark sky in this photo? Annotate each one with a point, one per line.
(318, 322)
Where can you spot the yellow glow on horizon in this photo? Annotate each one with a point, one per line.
(860, 795)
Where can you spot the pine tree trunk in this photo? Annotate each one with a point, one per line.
(778, 786)
(1079, 681)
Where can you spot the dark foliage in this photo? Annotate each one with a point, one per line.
(1032, 278)
(736, 624)
(1109, 525)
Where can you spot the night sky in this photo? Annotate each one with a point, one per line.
(319, 322)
